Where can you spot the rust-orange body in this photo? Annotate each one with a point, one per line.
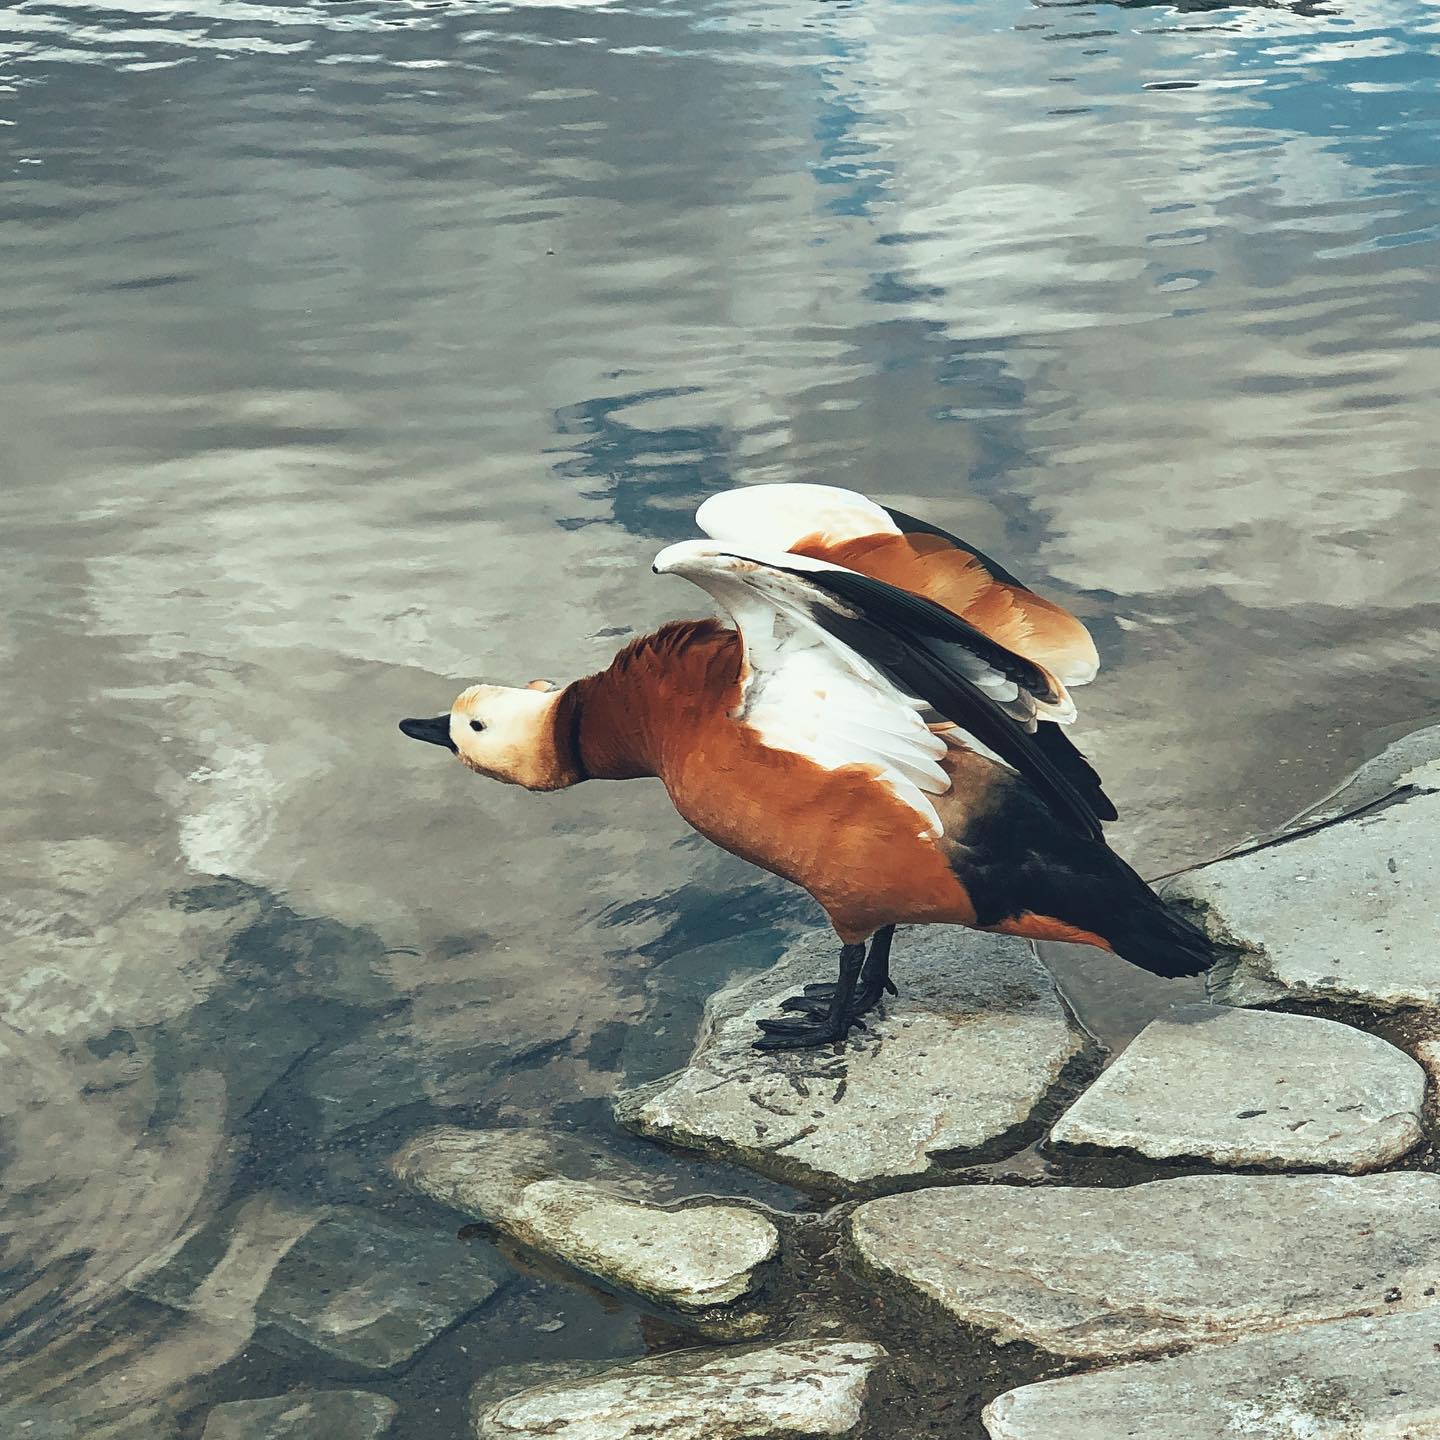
(669, 706)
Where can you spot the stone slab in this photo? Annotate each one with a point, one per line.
(1247, 1087)
(1349, 913)
(1364, 1379)
(694, 1257)
(312, 1415)
(798, 1390)
(1116, 1273)
(956, 1065)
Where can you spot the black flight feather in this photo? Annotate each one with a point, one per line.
(914, 641)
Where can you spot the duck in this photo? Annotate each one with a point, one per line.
(880, 718)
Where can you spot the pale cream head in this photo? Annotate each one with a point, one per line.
(508, 733)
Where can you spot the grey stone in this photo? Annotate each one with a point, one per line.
(801, 1389)
(955, 1065)
(1105, 1274)
(310, 1415)
(362, 1289)
(1348, 913)
(374, 1292)
(509, 1380)
(1414, 759)
(694, 1258)
(1364, 1379)
(1246, 1087)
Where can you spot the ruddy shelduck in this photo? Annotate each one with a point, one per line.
(883, 725)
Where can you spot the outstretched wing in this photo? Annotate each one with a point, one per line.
(842, 667)
(848, 529)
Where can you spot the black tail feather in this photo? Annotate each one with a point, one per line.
(1015, 861)
(1148, 933)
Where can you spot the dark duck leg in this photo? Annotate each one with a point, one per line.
(833, 1025)
(875, 983)
(834, 1009)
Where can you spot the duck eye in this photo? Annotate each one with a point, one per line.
(477, 724)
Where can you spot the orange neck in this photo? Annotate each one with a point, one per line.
(641, 713)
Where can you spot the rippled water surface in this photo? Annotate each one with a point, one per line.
(353, 351)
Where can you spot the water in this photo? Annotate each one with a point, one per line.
(353, 351)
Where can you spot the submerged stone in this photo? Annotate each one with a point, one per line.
(955, 1066)
(1246, 1087)
(694, 1257)
(38, 1423)
(365, 1290)
(1105, 1274)
(801, 1390)
(374, 1292)
(1348, 913)
(308, 1415)
(1362, 1379)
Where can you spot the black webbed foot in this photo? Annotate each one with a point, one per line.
(817, 1000)
(826, 1014)
(874, 984)
(804, 1034)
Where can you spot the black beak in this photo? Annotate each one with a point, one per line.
(433, 732)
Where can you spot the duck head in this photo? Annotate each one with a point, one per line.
(504, 731)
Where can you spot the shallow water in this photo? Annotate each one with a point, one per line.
(353, 351)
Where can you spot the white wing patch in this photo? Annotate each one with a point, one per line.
(806, 692)
(775, 517)
(772, 518)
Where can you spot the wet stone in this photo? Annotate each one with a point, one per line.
(1107, 1273)
(795, 1391)
(509, 1380)
(362, 1289)
(311, 1415)
(1245, 1087)
(1414, 759)
(695, 1257)
(1349, 913)
(954, 1067)
(37, 1423)
(1362, 1379)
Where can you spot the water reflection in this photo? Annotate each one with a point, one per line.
(356, 351)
